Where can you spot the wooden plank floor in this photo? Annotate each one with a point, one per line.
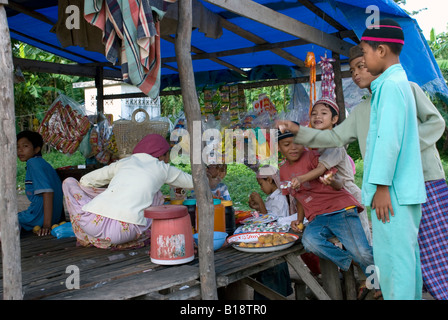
(45, 261)
(125, 274)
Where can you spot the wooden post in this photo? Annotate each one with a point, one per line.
(202, 190)
(9, 226)
(338, 83)
(99, 77)
(330, 279)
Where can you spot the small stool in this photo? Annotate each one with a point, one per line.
(171, 234)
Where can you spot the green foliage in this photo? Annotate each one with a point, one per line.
(55, 158)
(39, 90)
(353, 151)
(241, 182)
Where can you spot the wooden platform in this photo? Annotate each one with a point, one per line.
(48, 264)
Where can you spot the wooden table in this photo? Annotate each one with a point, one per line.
(50, 267)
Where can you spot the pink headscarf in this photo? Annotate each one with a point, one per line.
(152, 144)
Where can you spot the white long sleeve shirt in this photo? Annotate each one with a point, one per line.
(133, 182)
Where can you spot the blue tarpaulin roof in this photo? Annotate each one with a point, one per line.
(350, 15)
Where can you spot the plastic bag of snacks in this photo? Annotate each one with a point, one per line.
(64, 125)
(102, 141)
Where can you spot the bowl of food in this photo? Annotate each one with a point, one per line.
(219, 238)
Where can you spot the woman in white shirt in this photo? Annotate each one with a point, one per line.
(113, 217)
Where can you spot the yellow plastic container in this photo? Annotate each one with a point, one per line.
(220, 217)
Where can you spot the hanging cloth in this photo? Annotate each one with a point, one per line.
(84, 34)
(132, 36)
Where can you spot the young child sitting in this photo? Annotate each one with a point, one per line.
(278, 277)
(43, 187)
(216, 173)
(330, 212)
(276, 203)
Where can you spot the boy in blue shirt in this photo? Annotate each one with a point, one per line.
(43, 187)
(393, 183)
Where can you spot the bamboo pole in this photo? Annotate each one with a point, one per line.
(202, 190)
(9, 226)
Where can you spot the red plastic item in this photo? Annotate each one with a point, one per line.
(171, 235)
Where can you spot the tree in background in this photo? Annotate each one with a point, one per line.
(439, 46)
(37, 91)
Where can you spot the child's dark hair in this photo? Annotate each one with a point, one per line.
(34, 137)
(394, 47)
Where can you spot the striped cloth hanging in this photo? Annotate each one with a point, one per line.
(132, 36)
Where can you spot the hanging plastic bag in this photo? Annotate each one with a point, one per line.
(64, 125)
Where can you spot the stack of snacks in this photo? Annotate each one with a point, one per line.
(64, 125)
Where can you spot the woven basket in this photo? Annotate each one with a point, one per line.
(129, 132)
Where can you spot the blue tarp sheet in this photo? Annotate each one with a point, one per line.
(416, 57)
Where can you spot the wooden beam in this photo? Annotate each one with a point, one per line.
(328, 19)
(68, 69)
(263, 289)
(298, 265)
(9, 225)
(29, 12)
(99, 77)
(243, 85)
(258, 40)
(233, 52)
(198, 52)
(53, 46)
(279, 21)
(204, 197)
(164, 65)
(266, 46)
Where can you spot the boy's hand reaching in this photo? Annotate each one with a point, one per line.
(295, 183)
(297, 226)
(382, 204)
(286, 125)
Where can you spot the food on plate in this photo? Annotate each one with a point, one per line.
(268, 240)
